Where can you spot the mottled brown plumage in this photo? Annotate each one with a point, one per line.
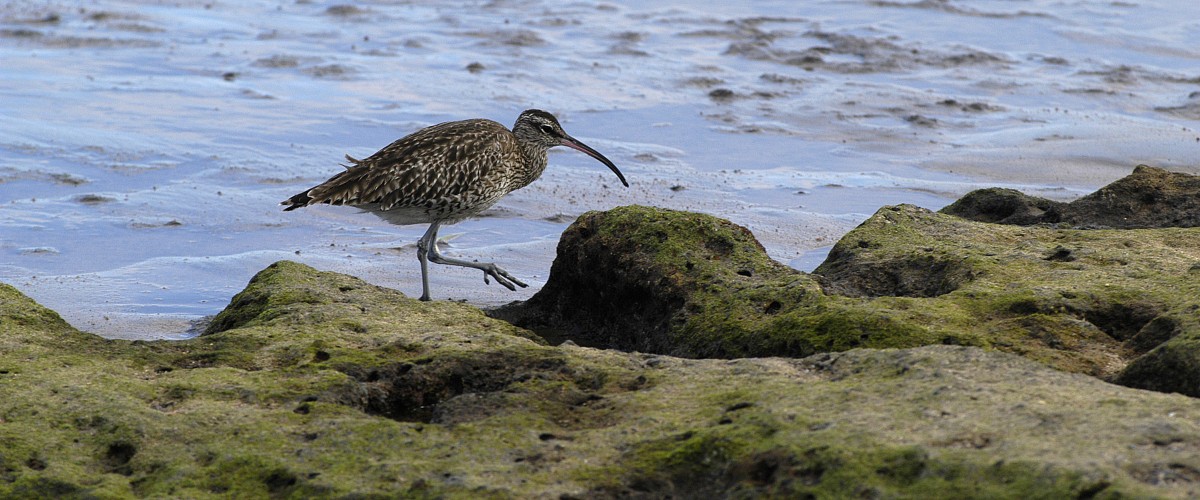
(446, 173)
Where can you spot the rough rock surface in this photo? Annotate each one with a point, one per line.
(1148, 198)
(638, 278)
(1129, 295)
(664, 281)
(315, 384)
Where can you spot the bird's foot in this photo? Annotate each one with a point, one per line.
(502, 277)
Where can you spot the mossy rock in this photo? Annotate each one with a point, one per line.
(337, 388)
(1087, 301)
(686, 284)
(1149, 197)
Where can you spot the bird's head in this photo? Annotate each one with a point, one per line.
(540, 128)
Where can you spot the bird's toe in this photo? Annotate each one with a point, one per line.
(502, 277)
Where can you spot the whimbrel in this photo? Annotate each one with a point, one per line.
(445, 173)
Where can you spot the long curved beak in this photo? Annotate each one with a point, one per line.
(574, 143)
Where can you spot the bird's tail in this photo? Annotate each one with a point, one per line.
(323, 191)
(296, 201)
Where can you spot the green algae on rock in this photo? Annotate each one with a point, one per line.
(1086, 301)
(693, 285)
(685, 284)
(325, 386)
(1070, 298)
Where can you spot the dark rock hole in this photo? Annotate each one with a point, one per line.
(117, 457)
(1123, 321)
(279, 480)
(1061, 254)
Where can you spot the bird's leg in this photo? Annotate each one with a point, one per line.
(423, 245)
(488, 268)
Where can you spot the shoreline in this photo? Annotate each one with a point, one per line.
(931, 354)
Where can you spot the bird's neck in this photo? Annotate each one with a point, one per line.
(534, 165)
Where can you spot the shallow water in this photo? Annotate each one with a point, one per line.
(144, 146)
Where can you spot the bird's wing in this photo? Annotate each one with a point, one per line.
(439, 162)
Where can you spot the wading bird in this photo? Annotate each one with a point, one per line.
(445, 173)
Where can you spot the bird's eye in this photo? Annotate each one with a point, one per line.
(548, 130)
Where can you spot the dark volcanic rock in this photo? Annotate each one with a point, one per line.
(1148, 198)
(1004, 206)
